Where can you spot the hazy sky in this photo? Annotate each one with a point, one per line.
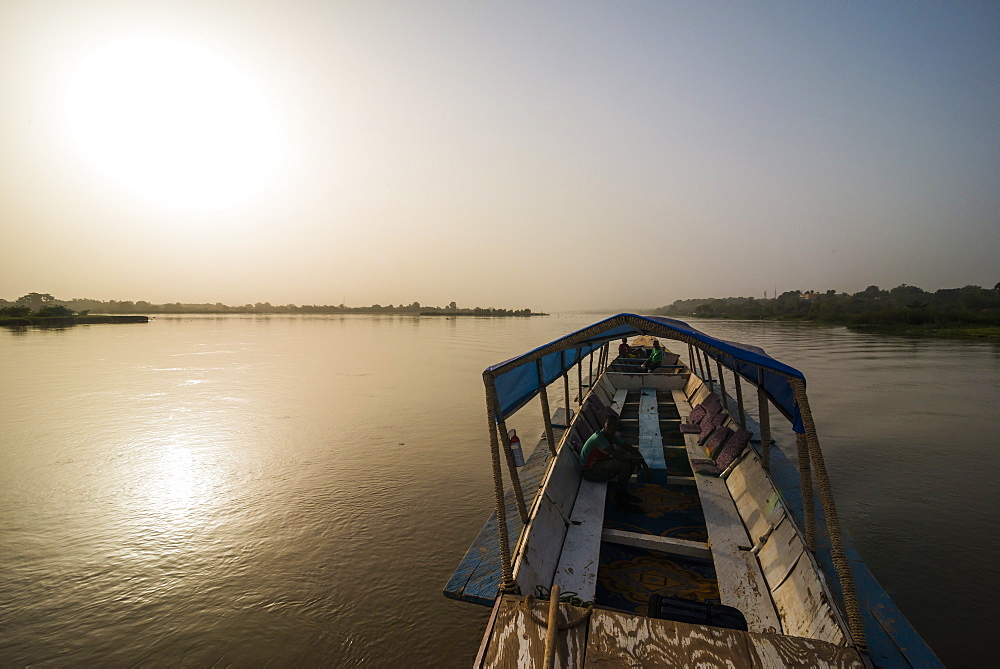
(557, 155)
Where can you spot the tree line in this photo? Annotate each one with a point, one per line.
(902, 305)
(45, 305)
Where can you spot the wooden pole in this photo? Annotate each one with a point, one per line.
(722, 386)
(579, 381)
(590, 361)
(546, 415)
(739, 400)
(552, 631)
(566, 393)
(765, 421)
(515, 478)
(701, 367)
(708, 367)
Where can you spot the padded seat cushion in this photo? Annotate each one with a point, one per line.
(732, 449)
(715, 442)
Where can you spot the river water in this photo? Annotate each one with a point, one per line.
(288, 491)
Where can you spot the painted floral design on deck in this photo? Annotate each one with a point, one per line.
(629, 576)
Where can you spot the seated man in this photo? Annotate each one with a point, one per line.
(624, 350)
(606, 457)
(655, 358)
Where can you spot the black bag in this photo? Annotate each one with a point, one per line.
(696, 613)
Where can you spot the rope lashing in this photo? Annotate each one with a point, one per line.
(515, 478)
(507, 583)
(765, 420)
(529, 608)
(546, 415)
(808, 501)
(840, 561)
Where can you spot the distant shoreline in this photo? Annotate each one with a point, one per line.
(67, 321)
(496, 313)
(968, 331)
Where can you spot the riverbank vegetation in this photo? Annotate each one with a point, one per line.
(969, 312)
(33, 304)
(57, 315)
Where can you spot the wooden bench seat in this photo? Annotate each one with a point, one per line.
(581, 551)
(741, 583)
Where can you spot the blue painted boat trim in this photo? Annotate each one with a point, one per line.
(477, 578)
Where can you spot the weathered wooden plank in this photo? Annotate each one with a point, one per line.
(626, 640)
(803, 606)
(780, 553)
(516, 640)
(538, 554)
(650, 441)
(563, 480)
(578, 564)
(681, 480)
(778, 652)
(619, 400)
(623, 640)
(605, 390)
(562, 418)
(653, 542)
(741, 583)
(756, 499)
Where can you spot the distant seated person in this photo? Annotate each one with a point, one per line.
(655, 358)
(624, 350)
(605, 457)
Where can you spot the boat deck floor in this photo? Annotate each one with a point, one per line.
(628, 576)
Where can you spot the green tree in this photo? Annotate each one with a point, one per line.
(54, 311)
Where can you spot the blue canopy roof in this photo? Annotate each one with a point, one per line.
(517, 381)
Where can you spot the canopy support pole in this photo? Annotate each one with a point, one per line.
(765, 421)
(854, 620)
(507, 583)
(739, 400)
(579, 381)
(515, 478)
(590, 361)
(546, 416)
(708, 367)
(566, 393)
(722, 386)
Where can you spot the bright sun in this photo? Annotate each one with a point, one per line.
(173, 123)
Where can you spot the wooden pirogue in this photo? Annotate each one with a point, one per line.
(725, 566)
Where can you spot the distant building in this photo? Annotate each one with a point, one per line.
(811, 296)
